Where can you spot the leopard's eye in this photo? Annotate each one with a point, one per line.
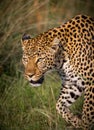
(39, 60)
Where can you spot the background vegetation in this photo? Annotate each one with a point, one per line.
(21, 106)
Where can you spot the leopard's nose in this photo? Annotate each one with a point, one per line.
(27, 76)
(31, 75)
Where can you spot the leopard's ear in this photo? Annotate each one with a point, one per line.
(55, 44)
(24, 39)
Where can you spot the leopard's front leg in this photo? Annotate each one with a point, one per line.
(68, 95)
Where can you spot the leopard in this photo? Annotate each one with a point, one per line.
(69, 50)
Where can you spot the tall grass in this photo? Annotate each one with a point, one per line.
(25, 108)
(21, 106)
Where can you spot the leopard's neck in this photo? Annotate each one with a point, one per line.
(48, 37)
(51, 34)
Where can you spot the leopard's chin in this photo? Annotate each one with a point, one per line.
(37, 83)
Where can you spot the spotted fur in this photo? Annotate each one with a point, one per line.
(70, 50)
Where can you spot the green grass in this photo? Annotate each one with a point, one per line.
(21, 106)
(24, 107)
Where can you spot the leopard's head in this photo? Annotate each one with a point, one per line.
(39, 57)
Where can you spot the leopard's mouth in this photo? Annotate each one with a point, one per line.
(37, 83)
